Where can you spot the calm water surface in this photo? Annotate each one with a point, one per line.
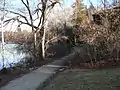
(11, 55)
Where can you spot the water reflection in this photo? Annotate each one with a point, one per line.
(11, 55)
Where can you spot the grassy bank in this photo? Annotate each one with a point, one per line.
(94, 79)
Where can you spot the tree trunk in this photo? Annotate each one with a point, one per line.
(2, 30)
(35, 40)
(43, 44)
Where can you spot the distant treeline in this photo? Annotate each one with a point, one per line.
(17, 37)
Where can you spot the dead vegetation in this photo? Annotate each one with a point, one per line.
(101, 42)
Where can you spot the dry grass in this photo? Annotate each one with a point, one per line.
(105, 79)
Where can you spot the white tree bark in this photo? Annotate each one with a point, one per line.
(35, 39)
(29, 20)
(43, 44)
(2, 20)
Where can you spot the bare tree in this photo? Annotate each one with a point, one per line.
(2, 21)
(41, 11)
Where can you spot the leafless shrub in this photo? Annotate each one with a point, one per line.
(103, 40)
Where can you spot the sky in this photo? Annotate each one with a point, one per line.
(86, 2)
(66, 3)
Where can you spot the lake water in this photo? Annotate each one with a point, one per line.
(11, 55)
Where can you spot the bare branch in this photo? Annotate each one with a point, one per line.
(18, 15)
(28, 24)
(29, 11)
(24, 3)
(43, 12)
(18, 20)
